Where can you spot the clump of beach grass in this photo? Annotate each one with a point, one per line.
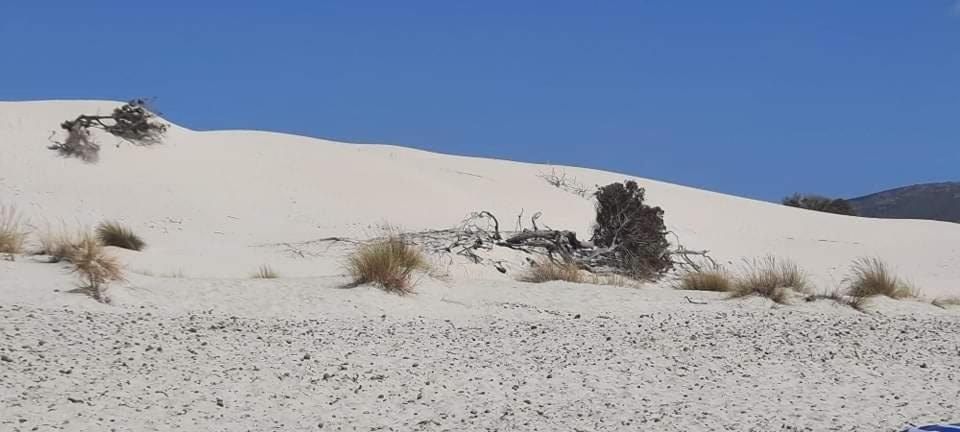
(13, 232)
(871, 277)
(772, 278)
(265, 272)
(112, 233)
(389, 263)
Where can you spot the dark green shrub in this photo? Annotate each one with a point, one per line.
(633, 230)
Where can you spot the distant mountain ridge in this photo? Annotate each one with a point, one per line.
(933, 201)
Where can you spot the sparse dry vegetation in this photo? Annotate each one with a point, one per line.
(389, 263)
(13, 232)
(766, 277)
(613, 280)
(871, 277)
(546, 271)
(134, 122)
(113, 233)
(771, 278)
(58, 244)
(94, 267)
(705, 280)
(265, 272)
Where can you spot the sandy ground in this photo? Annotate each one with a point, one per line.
(750, 369)
(297, 354)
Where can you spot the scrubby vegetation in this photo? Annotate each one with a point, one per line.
(389, 263)
(134, 122)
(546, 271)
(629, 238)
(93, 266)
(820, 203)
(84, 251)
(634, 231)
(871, 277)
(766, 277)
(771, 278)
(114, 234)
(776, 279)
(57, 244)
(715, 279)
(13, 232)
(265, 272)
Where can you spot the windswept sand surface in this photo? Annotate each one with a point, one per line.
(736, 370)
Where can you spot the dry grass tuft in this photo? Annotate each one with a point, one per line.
(871, 277)
(388, 263)
(265, 272)
(57, 244)
(705, 280)
(112, 233)
(945, 302)
(771, 278)
(94, 267)
(13, 234)
(546, 271)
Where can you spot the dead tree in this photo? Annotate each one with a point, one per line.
(133, 122)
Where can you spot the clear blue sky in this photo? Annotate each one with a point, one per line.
(757, 98)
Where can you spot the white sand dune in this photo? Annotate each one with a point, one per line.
(213, 206)
(204, 200)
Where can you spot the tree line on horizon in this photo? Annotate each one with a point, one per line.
(820, 203)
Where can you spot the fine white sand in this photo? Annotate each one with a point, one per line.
(474, 350)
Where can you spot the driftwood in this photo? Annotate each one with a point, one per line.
(480, 231)
(685, 255)
(569, 184)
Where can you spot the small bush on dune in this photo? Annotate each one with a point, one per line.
(94, 267)
(770, 278)
(388, 263)
(705, 280)
(871, 277)
(633, 230)
(13, 234)
(546, 271)
(265, 272)
(115, 234)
